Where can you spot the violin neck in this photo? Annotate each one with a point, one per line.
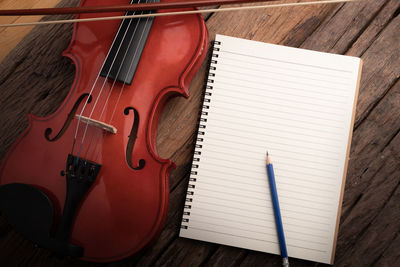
(127, 47)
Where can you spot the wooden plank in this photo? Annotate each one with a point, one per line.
(373, 136)
(10, 37)
(374, 220)
(382, 71)
(387, 13)
(225, 256)
(338, 33)
(370, 139)
(390, 256)
(368, 193)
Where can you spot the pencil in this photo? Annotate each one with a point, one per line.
(277, 212)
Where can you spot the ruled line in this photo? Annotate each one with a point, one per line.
(278, 105)
(278, 183)
(218, 79)
(259, 193)
(280, 67)
(232, 227)
(218, 165)
(259, 127)
(257, 232)
(266, 128)
(255, 172)
(264, 199)
(305, 186)
(271, 220)
(260, 212)
(325, 75)
(241, 236)
(262, 192)
(275, 149)
(286, 164)
(266, 109)
(291, 102)
(254, 224)
(308, 174)
(262, 206)
(276, 155)
(257, 239)
(265, 141)
(221, 69)
(247, 223)
(283, 61)
(274, 116)
(232, 200)
(268, 90)
(269, 135)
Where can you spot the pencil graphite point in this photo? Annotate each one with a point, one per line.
(268, 159)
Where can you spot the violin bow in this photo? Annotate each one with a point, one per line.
(120, 8)
(148, 7)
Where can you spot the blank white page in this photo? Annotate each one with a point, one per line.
(297, 104)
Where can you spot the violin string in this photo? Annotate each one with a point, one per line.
(103, 85)
(126, 76)
(123, 60)
(97, 98)
(215, 10)
(94, 154)
(119, 69)
(123, 84)
(91, 91)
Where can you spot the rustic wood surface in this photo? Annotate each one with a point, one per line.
(34, 78)
(11, 37)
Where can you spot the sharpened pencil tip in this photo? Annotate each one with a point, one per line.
(268, 159)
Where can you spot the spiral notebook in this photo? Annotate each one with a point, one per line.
(297, 104)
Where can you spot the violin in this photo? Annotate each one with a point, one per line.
(87, 180)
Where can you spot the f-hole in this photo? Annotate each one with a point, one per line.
(132, 139)
(67, 122)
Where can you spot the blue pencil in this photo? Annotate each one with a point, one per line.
(277, 211)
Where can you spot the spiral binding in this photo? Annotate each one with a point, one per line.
(200, 136)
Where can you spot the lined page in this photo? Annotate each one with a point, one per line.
(298, 105)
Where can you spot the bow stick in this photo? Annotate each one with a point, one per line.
(149, 7)
(120, 8)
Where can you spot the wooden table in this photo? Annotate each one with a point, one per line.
(34, 78)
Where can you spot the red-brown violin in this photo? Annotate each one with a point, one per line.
(87, 180)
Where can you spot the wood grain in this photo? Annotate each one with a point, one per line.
(35, 78)
(10, 37)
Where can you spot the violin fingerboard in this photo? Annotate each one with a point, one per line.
(127, 47)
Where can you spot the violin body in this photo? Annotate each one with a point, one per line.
(126, 206)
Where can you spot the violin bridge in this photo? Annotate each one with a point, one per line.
(99, 124)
